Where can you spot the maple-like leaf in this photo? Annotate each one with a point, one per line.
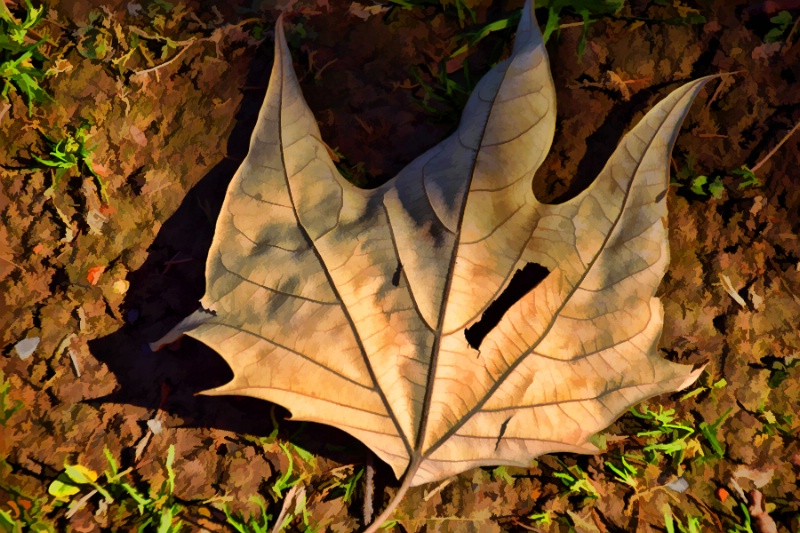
(350, 307)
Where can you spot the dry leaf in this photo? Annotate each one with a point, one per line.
(351, 307)
(138, 136)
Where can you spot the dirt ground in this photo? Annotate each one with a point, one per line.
(167, 120)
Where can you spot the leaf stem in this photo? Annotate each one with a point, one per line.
(398, 497)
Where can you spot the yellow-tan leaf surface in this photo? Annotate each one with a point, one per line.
(349, 307)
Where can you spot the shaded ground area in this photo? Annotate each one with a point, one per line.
(165, 96)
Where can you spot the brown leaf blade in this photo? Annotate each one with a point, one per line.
(349, 307)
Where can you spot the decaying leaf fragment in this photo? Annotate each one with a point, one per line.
(349, 307)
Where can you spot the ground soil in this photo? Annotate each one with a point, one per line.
(167, 143)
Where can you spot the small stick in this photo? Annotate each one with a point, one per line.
(369, 490)
(287, 502)
(777, 147)
(788, 42)
(80, 504)
(9, 261)
(438, 489)
(164, 64)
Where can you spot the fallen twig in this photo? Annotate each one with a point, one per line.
(369, 490)
(777, 147)
(287, 502)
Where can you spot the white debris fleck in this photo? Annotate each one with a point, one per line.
(678, 485)
(154, 424)
(26, 347)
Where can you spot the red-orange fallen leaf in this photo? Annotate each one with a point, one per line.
(39, 248)
(93, 276)
(722, 494)
(107, 210)
(14, 510)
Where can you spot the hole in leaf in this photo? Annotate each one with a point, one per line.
(503, 427)
(523, 282)
(396, 276)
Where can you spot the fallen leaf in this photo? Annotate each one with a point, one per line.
(395, 314)
(759, 477)
(364, 12)
(59, 66)
(765, 51)
(138, 136)
(94, 273)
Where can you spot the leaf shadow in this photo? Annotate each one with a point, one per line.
(168, 286)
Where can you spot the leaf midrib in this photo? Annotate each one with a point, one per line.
(431, 378)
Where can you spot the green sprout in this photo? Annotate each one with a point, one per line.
(18, 70)
(498, 25)
(576, 481)
(673, 525)
(748, 178)
(350, 486)
(626, 474)
(462, 8)
(709, 431)
(667, 426)
(159, 511)
(702, 187)
(783, 23)
(541, 519)
(251, 524)
(585, 8)
(746, 525)
(285, 481)
(501, 472)
(68, 153)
